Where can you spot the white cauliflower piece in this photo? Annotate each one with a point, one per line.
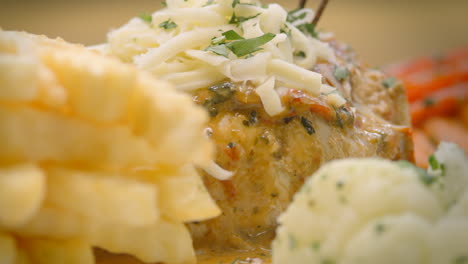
(377, 211)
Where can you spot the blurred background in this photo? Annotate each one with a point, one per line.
(381, 31)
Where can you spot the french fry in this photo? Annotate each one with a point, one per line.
(30, 134)
(22, 190)
(194, 205)
(72, 251)
(103, 198)
(7, 249)
(162, 241)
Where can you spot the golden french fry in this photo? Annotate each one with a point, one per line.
(73, 251)
(22, 190)
(162, 241)
(7, 249)
(29, 134)
(194, 205)
(103, 197)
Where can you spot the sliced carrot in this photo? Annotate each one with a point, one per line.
(464, 114)
(444, 129)
(423, 148)
(441, 103)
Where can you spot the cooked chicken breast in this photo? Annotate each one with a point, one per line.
(272, 156)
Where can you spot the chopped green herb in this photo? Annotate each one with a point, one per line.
(286, 30)
(163, 3)
(300, 54)
(218, 40)
(315, 245)
(308, 28)
(234, 261)
(210, 2)
(428, 102)
(436, 165)
(219, 49)
(292, 242)
(389, 82)
(168, 24)
(461, 260)
(340, 185)
(237, 20)
(232, 35)
(343, 199)
(235, 2)
(424, 177)
(146, 17)
(307, 125)
(327, 261)
(293, 16)
(341, 73)
(379, 228)
(223, 91)
(247, 46)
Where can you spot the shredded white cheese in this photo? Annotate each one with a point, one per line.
(179, 53)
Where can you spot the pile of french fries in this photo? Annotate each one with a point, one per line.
(94, 154)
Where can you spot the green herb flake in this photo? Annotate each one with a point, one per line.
(146, 17)
(221, 50)
(424, 177)
(340, 185)
(231, 35)
(429, 102)
(292, 15)
(315, 245)
(307, 125)
(168, 24)
(380, 228)
(235, 20)
(327, 261)
(218, 40)
(164, 3)
(209, 2)
(435, 164)
(235, 261)
(308, 28)
(300, 54)
(292, 242)
(461, 260)
(389, 82)
(247, 46)
(235, 2)
(341, 73)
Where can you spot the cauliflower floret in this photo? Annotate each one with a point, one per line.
(378, 211)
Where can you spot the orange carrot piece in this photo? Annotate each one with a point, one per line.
(423, 148)
(444, 129)
(464, 114)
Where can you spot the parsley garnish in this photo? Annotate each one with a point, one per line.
(428, 102)
(461, 260)
(219, 49)
(379, 228)
(237, 20)
(389, 82)
(168, 24)
(435, 164)
(315, 245)
(163, 3)
(146, 17)
(210, 2)
(235, 2)
(341, 73)
(300, 54)
(232, 35)
(424, 177)
(292, 242)
(218, 40)
(307, 125)
(293, 17)
(246, 46)
(308, 28)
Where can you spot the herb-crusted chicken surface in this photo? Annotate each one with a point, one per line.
(272, 156)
